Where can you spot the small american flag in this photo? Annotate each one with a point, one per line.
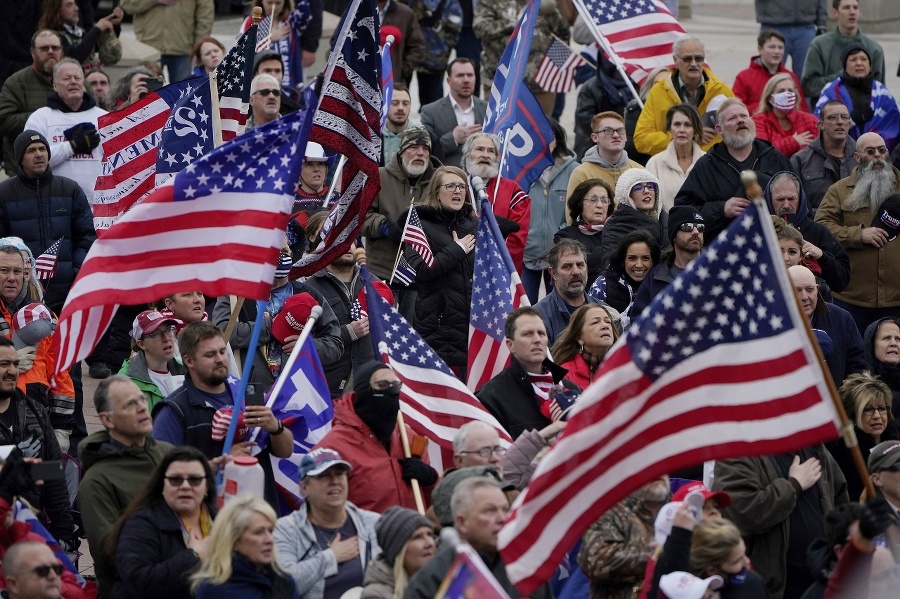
(557, 68)
(47, 263)
(414, 235)
(264, 34)
(356, 311)
(233, 77)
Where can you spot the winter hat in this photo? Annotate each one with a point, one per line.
(394, 529)
(684, 585)
(721, 497)
(414, 136)
(888, 217)
(853, 49)
(293, 315)
(678, 215)
(629, 179)
(440, 497)
(25, 139)
(32, 323)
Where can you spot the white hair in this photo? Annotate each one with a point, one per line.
(261, 79)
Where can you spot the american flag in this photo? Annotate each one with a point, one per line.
(719, 366)
(557, 68)
(403, 272)
(433, 401)
(639, 32)
(22, 513)
(187, 134)
(130, 148)
(414, 235)
(496, 291)
(300, 399)
(233, 77)
(264, 34)
(348, 122)
(46, 264)
(217, 227)
(387, 81)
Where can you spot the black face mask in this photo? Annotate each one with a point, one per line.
(378, 409)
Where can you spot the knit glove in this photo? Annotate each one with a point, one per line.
(415, 468)
(876, 516)
(507, 227)
(389, 229)
(26, 358)
(83, 137)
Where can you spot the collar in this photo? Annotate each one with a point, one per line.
(456, 105)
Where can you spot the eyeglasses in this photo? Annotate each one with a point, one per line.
(833, 118)
(177, 481)
(44, 571)
(131, 404)
(454, 186)
(868, 151)
(46, 49)
(161, 332)
(640, 187)
(485, 452)
(387, 385)
(595, 199)
(265, 92)
(609, 131)
(699, 59)
(870, 410)
(688, 227)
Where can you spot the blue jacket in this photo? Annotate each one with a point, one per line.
(848, 356)
(548, 208)
(555, 313)
(248, 582)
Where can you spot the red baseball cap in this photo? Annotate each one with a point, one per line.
(293, 315)
(148, 321)
(722, 498)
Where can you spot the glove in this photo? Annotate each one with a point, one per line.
(83, 137)
(15, 476)
(415, 468)
(507, 227)
(389, 229)
(876, 516)
(26, 358)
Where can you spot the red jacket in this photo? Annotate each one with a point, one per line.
(512, 203)
(768, 128)
(579, 372)
(375, 481)
(749, 84)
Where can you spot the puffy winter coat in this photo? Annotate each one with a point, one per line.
(768, 128)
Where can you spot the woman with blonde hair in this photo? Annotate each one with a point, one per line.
(780, 120)
(718, 549)
(240, 562)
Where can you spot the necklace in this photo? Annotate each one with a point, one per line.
(322, 535)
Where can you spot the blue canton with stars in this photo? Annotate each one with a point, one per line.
(264, 160)
(404, 344)
(607, 11)
(729, 294)
(188, 133)
(491, 295)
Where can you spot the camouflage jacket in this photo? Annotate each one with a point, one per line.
(441, 22)
(494, 22)
(616, 549)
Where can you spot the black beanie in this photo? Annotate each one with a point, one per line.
(678, 215)
(853, 49)
(364, 373)
(25, 139)
(394, 529)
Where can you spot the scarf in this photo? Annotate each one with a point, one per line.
(587, 229)
(542, 383)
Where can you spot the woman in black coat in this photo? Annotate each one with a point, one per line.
(590, 205)
(881, 343)
(638, 206)
(637, 253)
(162, 535)
(445, 285)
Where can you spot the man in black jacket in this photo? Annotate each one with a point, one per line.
(714, 184)
(26, 424)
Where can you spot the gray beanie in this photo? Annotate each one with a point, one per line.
(394, 529)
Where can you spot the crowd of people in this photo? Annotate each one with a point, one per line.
(595, 239)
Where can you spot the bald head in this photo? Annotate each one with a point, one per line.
(806, 288)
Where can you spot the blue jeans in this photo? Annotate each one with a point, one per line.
(531, 281)
(179, 66)
(797, 39)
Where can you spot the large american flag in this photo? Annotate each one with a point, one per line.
(557, 68)
(639, 32)
(348, 122)
(719, 366)
(433, 401)
(496, 291)
(47, 263)
(217, 227)
(414, 235)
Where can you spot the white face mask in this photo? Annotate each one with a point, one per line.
(784, 101)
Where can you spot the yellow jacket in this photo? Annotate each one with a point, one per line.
(650, 134)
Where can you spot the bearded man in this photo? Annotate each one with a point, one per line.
(859, 211)
(713, 187)
(481, 158)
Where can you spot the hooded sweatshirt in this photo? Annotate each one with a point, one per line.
(594, 166)
(889, 373)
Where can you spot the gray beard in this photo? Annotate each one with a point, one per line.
(414, 171)
(478, 170)
(872, 188)
(737, 141)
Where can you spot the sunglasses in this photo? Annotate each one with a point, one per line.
(387, 385)
(688, 227)
(640, 187)
(177, 481)
(265, 92)
(44, 571)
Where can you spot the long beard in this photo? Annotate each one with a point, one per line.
(737, 140)
(486, 172)
(872, 187)
(414, 170)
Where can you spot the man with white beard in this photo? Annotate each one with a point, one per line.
(850, 209)
(405, 178)
(481, 158)
(713, 187)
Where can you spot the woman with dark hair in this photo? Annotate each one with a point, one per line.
(206, 55)
(672, 165)
(637, 253)
(548, 205)
(583, 344)
(638, 206)
(161, 536)
(93, 48)
(590, 205)
(881, 343)
(445, 286)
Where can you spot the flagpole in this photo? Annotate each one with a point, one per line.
(500, 167)
(337, 173)
(601, 39)
(412, 200)
(216, 117)
(307, 330)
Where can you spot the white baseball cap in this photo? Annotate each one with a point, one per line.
(684, 585)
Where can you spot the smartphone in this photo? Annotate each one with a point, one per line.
(252, 398)
(153, 83)
(48, 471)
